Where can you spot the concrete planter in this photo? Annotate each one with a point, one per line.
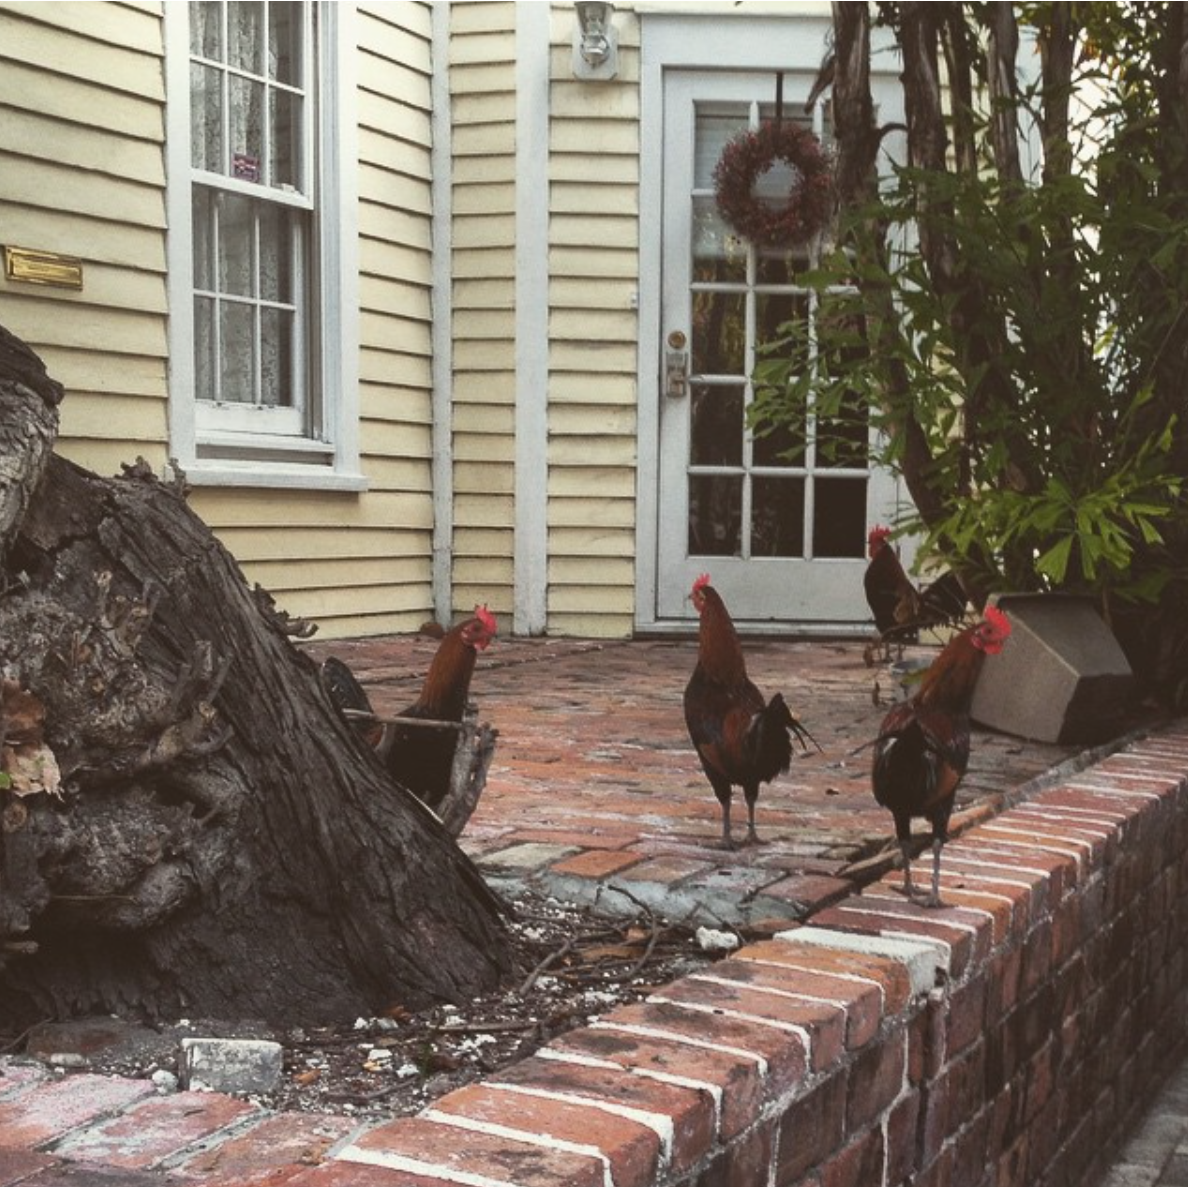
(1062, 676)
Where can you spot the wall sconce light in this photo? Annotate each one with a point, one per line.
(595, 42)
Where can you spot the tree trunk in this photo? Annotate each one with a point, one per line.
(222, 844)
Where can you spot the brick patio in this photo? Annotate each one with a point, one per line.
(809, 1058)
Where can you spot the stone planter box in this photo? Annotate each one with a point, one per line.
(1062, 676)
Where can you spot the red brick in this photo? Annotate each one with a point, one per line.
(346, 1173)
(783, 1051)
(632, 1149)
(53, 1109)
(901, 1139)
(891, 975)
(153, 1130)
(18, 1077)
(691, 1111)
(736, 1079)
(276, 1147)
(745, 1162)
(859, 1163)
(432, 1148)
(17, 1165)
(811, 1129)
(809, 892)
(792, 969)
(596, 864)
(825, 1025)
(966, 1016)
(874, 916)
(876, 1080)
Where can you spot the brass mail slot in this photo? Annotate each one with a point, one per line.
(43, 268)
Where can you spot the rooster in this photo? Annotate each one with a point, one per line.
(900, 609)
(421, 759)
(922, 749)
(740, 739)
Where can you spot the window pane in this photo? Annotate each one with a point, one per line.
(206, 123)
(718, 255)
(236, 370)
(247, 128)
(839, 517)
(773, 310)
(714, 129)
(777, 517)
(206, 34)
(235, 245)
(782, 445)
(276, 253)
(716, 435)
(715, 515)
(284, 43)
(245, 36)
(284, 112)
(204, 348)
(719, 333)
(276, 354)
(203, 223)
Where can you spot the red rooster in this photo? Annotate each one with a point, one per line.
(740, 739)
(922, 749)
(900, 609)
(421, 759)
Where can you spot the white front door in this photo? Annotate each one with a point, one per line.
(779, 522)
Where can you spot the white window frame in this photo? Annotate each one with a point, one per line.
(224, 449)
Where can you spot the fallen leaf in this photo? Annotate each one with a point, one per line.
(32, 769)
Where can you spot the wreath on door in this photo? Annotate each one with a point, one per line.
(751, 154)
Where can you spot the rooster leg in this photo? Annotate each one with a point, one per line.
(935, 899)
(905, 848)
(727, 840)
(752, 797)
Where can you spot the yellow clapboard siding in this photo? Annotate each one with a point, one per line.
(612, 139)
(579, 513)
(288, 548)
(121, 244)
(582, 420)
(594, 357)
(486, 324)
(610, 293)
(394, 81)
(590, 599)
(580, 388)
(385, 256)
(492, 107)
(386, 116)
(484, 231)
(581, 260)
(61, 51)
(399, 191)
(612, 482)
(495, 262)
(396, 569)
(25, 182)
(280, 510)
(484, 387)
(480, 171)
(396, 334)
(50, 321)
(598, 325)
(483, 542)
(28, 88)
(100, 373)
(483, 140)
(592, 450)
(488, 418)
(615, 232)
(394, 297)
(483, 49)
(483, 477)
(592, 542)
(492, 293)
(492, 198)
(76, 147)
(398, 31)
(481, 511)
(123, 25)
(591, 626)
(484, 449)
(364, 626)
(349, 599)
(488, 16)
(601, 169)
(592, 203)
(379, 365)
(115, 418)
(108, 458)
(484, 356)
(591, 571)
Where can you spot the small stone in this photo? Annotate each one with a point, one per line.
(712, 940)
(165, 1081)
(231, 1065)
(66, 1060)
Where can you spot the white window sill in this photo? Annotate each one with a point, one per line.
(272, 474)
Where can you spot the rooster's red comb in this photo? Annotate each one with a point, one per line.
(878, 532)
(486, 618)
(999, 623)
(990, 635)
(702, 581)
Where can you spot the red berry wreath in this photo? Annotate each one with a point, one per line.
(751, 154)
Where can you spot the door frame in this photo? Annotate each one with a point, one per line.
(709, 42)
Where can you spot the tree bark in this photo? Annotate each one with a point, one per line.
(223, 845)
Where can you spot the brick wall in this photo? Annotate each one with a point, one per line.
(1012, 1037)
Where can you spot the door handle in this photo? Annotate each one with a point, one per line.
(676, 366)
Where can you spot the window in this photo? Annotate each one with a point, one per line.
(263, 383)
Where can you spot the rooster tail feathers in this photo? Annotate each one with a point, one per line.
(770, 738)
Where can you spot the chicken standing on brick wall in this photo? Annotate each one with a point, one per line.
(740, 738)
(922, 749)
